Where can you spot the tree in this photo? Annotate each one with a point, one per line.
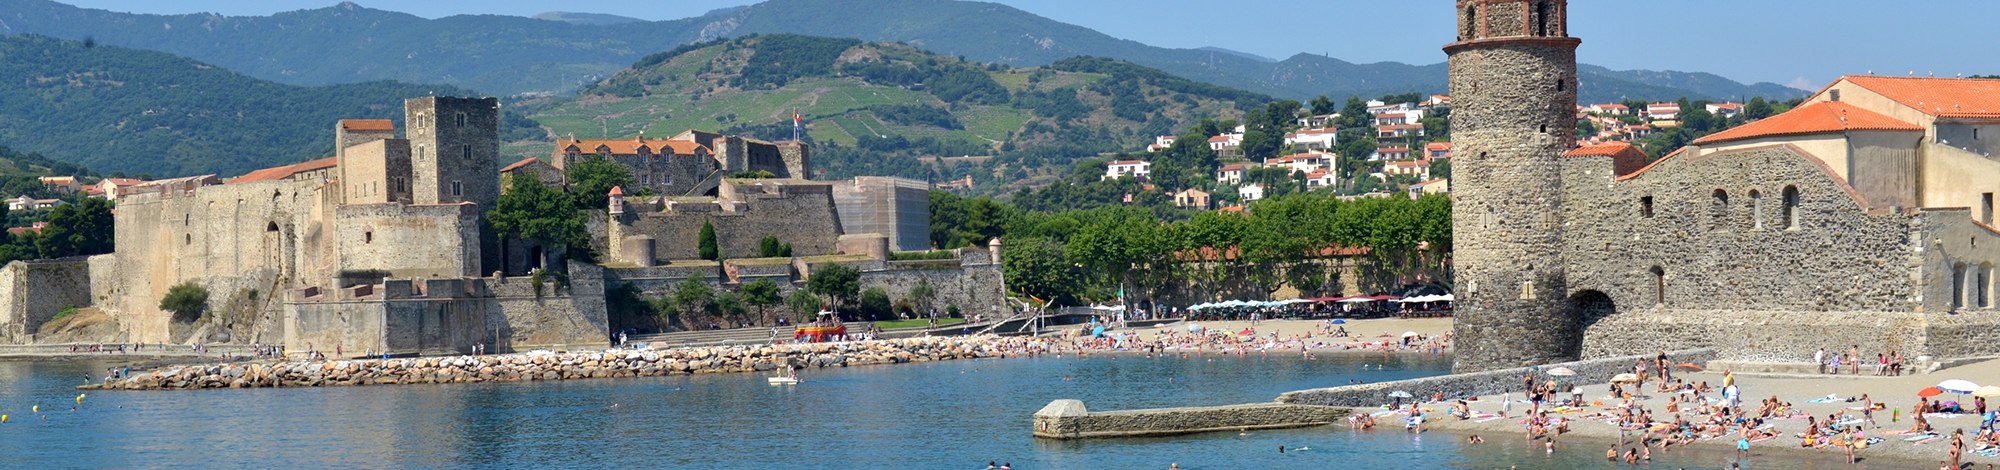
(1038, 267)
(803, 304)
(922, 294)
(186, 300)
(1355, 113)
(770, 248)
(592, 179)
(1322, 106)
(693, 296)
(710, 250)
(730, 306)
(534, 212)
(837, 282)
(875, 304)
(762, 293)
(1757, 108)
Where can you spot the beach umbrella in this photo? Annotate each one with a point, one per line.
(1988, 391)
(1957, 386)
(1561, 372)
(1408, 334)
(1625, 378)
(1399, 394)
(1338, 321)
(1688, 366)
(1928, 392)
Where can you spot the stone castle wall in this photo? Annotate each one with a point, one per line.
(798, 213)
(33, 292)
(232, 239)
(404, 241)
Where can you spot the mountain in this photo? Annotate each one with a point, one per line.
(586, 19)
(873, 108)
(1242, 54)
(511, 55)
(111, 108)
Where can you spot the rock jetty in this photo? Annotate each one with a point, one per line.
(556, 366)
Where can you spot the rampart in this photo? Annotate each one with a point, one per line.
(1068, 419)
(33, 292)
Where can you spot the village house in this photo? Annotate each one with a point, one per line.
(1378, 107)
(1303, 162)
(1192, 198)
(1320, 178)
(108, 188)
(1398, 131)
(1232, 173)
(1318, 120)
(1312, 139)
(1137, 169)
(1663, 111)
(1436, 186)
(1613, 109)
(1727, 110)
(62, 184)
(1161, 143)
(548, 174)
(1437, 150)
(1225, 144)
(1250, 192)
(1436, 101)
(1418, 168)
(1391, 153)
(1399, 118)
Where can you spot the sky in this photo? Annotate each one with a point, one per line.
(1803, 43)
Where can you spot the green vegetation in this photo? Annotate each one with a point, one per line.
(535, 212)
(693, 298)
(710, 250)
(762, 293)
(921, 255)
(150, 112)
(769, 247)
(79, 229)
(186, 300)
(780, 58)
(875, 305)
(838, 283)
(804, 304)
(591, 180)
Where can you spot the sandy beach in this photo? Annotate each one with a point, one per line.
(1799, 390)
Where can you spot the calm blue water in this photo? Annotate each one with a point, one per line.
(908, 416)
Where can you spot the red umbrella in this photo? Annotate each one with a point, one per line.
(1928, 392)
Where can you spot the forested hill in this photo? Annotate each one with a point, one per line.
(877, 108)
(135, 111)
(509, 55)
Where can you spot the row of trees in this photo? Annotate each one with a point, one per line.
(1076, 256)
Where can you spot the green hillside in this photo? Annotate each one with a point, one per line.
(135, 111)
(509, 55)
(874, 108)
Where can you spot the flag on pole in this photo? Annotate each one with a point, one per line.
(798, 124)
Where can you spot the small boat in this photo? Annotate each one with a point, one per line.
(783, 381)
(827, 327)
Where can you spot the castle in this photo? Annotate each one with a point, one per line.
(384, 247)
(1862, 218)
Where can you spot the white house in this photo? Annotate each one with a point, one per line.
(1312, 139)
(1397, 131)
(1663, 111)
(1436, 101)
(1232, 173)
(1391, 153)
(1226, 143)
(1250, 192)
(1161, 143)
(1614, 109)
(1137, 169)
(21, 203)
(1377, 107)
(1725, 109)
(1318, 120)
(1396, 118)
(1320, 178)
(1303, 162)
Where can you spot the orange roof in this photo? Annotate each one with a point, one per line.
(1438, 146)
(122, 181)
(1940, 97)
(617, 191)
(278, 173)
(1829, 116)
(631, 146)
(524, 164)
(1234, 167)
(1393, 150)
(1605, 150)
(368, 124)
(1219, 138)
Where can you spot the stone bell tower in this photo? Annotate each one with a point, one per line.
(1513, 88)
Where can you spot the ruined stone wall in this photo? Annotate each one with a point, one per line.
(799, 214)
(233, 239)
(975, 289)
(519, 320)
(33, 292)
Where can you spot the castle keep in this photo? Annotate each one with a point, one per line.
(1863, 217)
(383, 246)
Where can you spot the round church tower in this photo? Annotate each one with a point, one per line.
(1513, 99)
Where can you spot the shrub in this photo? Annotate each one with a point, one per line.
(186, 300)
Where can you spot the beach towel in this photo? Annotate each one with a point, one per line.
(1484, 420)
(1919, 437)
(1874, 440)
(1379, 414)
(1829, 399)
(1940, 415)
(1932, 439)
(1849, 422)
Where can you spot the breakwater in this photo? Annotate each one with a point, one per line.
(556, 366)
(1068, 419)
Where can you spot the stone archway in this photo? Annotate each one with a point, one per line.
(1584, 310)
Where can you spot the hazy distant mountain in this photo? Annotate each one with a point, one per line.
(589, 19)
(1242, 54)
(508, 55)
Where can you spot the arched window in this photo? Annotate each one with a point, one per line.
(1756, 210)
(1659, 285)
(1470, 29)
(1958, 282)
(271, 227)
(1541, 18)
(1719, 210)
(1790, 214)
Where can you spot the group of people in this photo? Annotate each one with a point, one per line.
(1888, 364)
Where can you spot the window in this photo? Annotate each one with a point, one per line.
(368, 237)
(190, 239)
(1833, 94)
(1986, 208)
(1791, 210)
(187, 219)
(1659, 285)
(1646, 206)
(1959, 285)
(1471, 22)
(467, 150)
(461, 119)
(271, 227)
(645, 179)
(420, 152)
(1756, 210)
(1561, 83)
(1719, 210)
(457, 189)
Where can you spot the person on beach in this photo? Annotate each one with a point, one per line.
(1819, 361)
(1868, 411)
(1957, 446)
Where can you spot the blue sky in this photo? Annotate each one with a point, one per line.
(1803, 43)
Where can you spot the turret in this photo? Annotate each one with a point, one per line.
(1513, 87)
(617, 201)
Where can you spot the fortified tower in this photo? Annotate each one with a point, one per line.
(455, 149)
(1513, 88)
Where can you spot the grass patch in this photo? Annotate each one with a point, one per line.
(898, 324)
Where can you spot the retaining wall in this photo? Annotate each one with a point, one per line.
(1481, 383)
(1068, 419)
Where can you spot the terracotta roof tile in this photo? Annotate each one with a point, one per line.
(1605, 150)
(278, 173)
(1813, 119)
(1941, 97)
(368, 124)
(631, 146)
(524, 164)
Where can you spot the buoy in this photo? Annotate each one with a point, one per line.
(3, 418)
(37, 408)
(79, 399)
